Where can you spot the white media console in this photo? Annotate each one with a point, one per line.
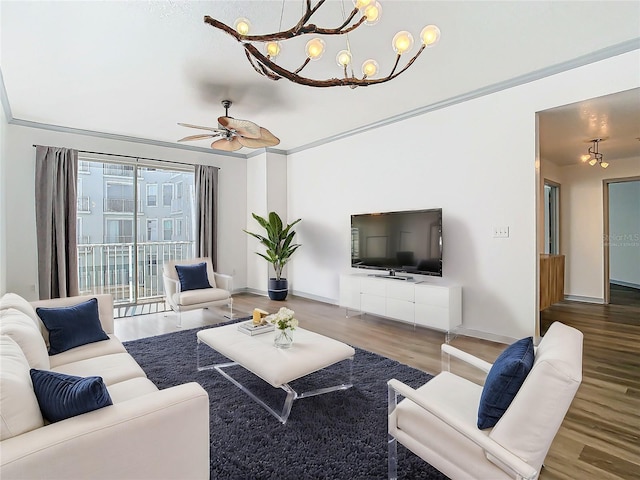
(419, 303)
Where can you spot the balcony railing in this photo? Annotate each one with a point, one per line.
(109, 268)
(118, 170)
(120, 205)
(84, 204)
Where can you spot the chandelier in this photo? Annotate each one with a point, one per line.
(594, 156)
(367, 12)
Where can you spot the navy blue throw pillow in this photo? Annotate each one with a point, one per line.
(193, 277)
(70, 327)
(504, 380)
(63, 396)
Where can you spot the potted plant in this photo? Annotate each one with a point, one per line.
(279, 244)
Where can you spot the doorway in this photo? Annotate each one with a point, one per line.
(622, 241)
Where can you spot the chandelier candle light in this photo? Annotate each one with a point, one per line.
(370, 12)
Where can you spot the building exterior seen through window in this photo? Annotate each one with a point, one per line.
(130, 221)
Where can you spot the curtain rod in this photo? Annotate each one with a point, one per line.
(131, 156)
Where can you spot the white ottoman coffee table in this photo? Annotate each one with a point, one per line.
(309, 353)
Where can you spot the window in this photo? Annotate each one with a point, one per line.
(83, 200)
(117, 211)
(83, 166)
(178, 230)
(152, 195)
(117, 170)
(551, 218)
(167, 194)
(119, 231)
(179, 189)
(79, 230)
(167, 228)
(152, 229)
(118, 198)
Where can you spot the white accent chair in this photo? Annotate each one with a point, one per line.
(437, 421)
(219, 294)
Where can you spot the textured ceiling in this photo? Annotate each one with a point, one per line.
(136, 68)
(565, 131)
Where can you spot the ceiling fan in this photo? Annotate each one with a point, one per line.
(235, 133)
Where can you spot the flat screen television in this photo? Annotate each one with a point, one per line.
(409, 241)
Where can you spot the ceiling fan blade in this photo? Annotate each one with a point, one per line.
(199, 137)
(243, 127)
(267, 139)
(198, 126)
(227, 145)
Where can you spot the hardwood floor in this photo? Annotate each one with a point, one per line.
(600, 437)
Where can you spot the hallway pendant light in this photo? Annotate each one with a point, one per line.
(593, 156)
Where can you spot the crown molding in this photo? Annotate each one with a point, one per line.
(592, 57)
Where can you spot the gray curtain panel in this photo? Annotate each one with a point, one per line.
(206, 212)
(56, 208)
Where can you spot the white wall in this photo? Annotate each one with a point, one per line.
(266, 192)
(3, 203)
(624, 233)
(582, 217)
(257, 273)
(476, 160)
(19, 169)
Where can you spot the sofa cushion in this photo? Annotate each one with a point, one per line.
(90, 350)
(72, 326)
(63, 396)
(194, 297)
(12, 300)
(129, 389)
(503, 381)
(113, 368)
(24, 332)
(193, 277)
(19, 410)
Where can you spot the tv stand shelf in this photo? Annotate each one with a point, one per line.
(419, 303)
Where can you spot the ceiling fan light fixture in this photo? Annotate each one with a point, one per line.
(585, 158)
(234, 132)
(604, 164)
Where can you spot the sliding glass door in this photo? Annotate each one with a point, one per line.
(131, 219)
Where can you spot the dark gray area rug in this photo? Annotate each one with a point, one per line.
(338, 435)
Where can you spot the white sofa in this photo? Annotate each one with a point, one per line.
(146, 433)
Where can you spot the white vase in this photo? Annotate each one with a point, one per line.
(283, 338)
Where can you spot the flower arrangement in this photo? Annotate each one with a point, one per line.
(283, 320)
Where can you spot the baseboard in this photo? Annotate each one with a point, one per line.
(622, 283)
(580, 298)
(297, 293)
(317, 298)
(492, 337)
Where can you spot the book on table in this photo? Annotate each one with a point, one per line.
(251, 328)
